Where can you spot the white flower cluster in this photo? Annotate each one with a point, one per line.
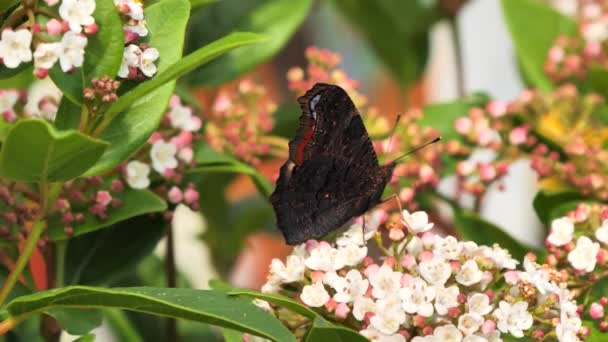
(41, 100)
(428, 287)
(135, 57)
(15, 45)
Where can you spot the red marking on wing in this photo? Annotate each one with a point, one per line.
(305, 140)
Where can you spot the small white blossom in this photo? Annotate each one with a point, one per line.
(163, 156)
(46, 55)
(137, 174)
(134, 8)
(355, 234)
(500, 256)
(446, 297)
(15, 47)
(71, 54)
(479, 303)
(567, 329)
(272, 285)
(538, 277)
(385, 282)
(43, 99)
(583, 256)
(181, 117)
(469, 323)
(414, 246)
(363, 305)
(291, 271)
(139, 28)
(436, 271)
(349, 287)
(469, 273)
(146, 61)
(324, 258)
(388, 317)
(447, 333)
(130, 58)
(596, 31)
(562, 230)
(352, 254)
(374, 335)
(447, 248)
(8, 98)
(513, 318)
(416, 222)
(314, 295)
(474, 338)
(417, 296)
(602, 232)
(77, 13)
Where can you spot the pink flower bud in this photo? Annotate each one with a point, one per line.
(428, 239)
(592, 49)
(342, 311)
(371, 269)
(390, 261)
(103, 197)
(454, 312)
(175, 195)
(485, 137)
(155, 137)
(518, 135)
(538, 335)
(331, 305)
(406, 195)
(396, 234)
(36, 28)
(463, 125)
(62, 204)
(487, 172)
(408, 261)
(425, 256)
(406, 279)
(603, 326)
(455, 265)
(91, 29)
(54, 27)
(9, 116)
(191, 195)
(496, 109)
(556, 54)
(117, 186)
(488, 326)
(428, 330)
(511, 277)
(426, 174)
(317, 276)
(418, 321)
(601, 256)
(596, 311)
(183, 139)
(41, 73)
(69, 231)
(464, 168)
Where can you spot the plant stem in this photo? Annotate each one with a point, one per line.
(31, 243)
(61, 248)
(171, 280)
(457, 56)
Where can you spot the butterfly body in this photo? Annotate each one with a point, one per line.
(332, 174)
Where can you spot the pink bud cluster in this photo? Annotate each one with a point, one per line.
(424, 286)
(240, 118)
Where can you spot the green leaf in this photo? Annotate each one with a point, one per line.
(276, 299)
(6, 4)
(384, 22)
(199, 3)
(474, 228)
(35, 151)
(86, 338)
(122, 328)
(136, 119)
(134, 203)
(232, 335)
(10, 73)
(441, 116)
(597, 79)
(102, 55)
(534, 27)
(77, 322)
(103, 256)
(278, 19)
(551, 204)
(322, 330)
(211, 161)
(68, 114)
(203, 306)
(20, 80)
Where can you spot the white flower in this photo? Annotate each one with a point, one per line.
(469, 249)
(136, 174)
(469, 323)
(71, 54)
(566, 7)
(479, 303)
(602, 232)
(436, 271)
(314, 295)
(363, 305)
(514, 318)
(416, 222)
(77, 13)
(447, 333)
(447, 248)
(596, 31)
(561, 231)
(181, 117)
(42, 99)
(324, 258)
(388, 316)
(349, 287)
(500, 256)
(446, 298)
(146, 61)
(355, 234)
(163, 156)
(46, 55)
(15, 47)
(8, 98)
(272, 285)
(352, 254)
(537, 276)
(583, 256)
(427, 338)
(139, 28)
(291, 271)
(385, 282)
(567, 329)
(474, 338)
(374, 335)
(414, 246)
(130, 58)
(469, 273)
(416, 297)
(135, 9)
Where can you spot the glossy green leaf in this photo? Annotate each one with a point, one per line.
(199, 3)
(549, 205)
(139, 115)
(203, 306)
(6, 4)
(597, 80)
(474, 228)
(210, 161)
(277, 19)
(534, 26)
(104, 256)
(134, 203)
(322, 330)
(385, 22)
(20, 80)
(232, 335)
(103, 53)
(121, 327)
(77, 322)
(276, 299)
(442, 116)
(86, 338)
(68, 115)
(35, 151)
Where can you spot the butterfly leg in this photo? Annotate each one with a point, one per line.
(363, 231)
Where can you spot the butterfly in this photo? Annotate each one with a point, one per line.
(332, 173)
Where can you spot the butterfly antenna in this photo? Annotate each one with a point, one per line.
(390, 141)
(416, 149)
